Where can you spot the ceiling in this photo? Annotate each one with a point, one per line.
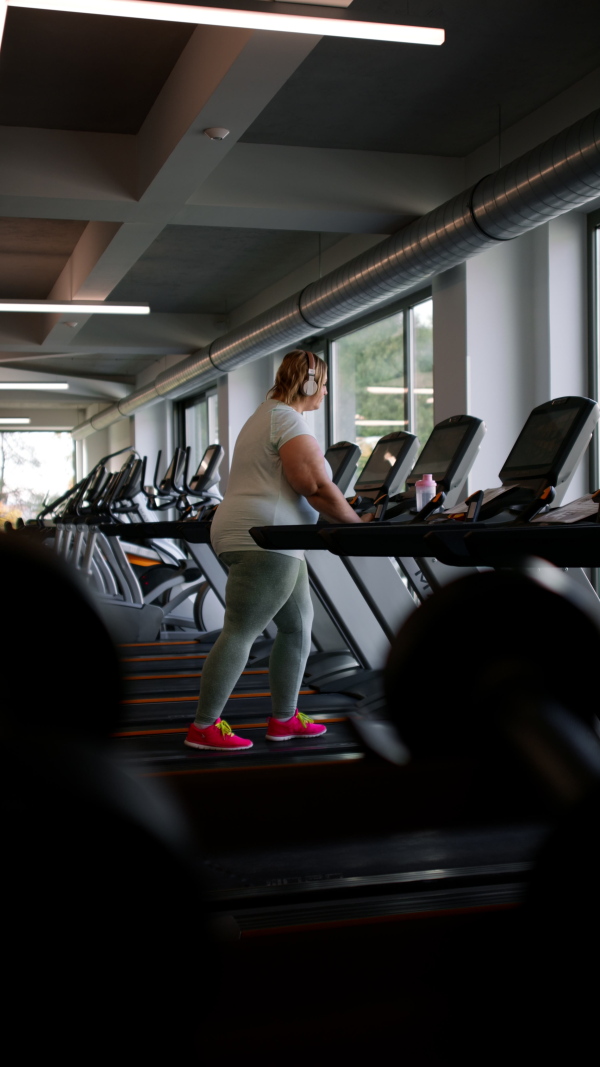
(110, 191)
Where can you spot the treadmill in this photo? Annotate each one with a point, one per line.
(541, 463)
(381, 590)
(334, 679)
(195, 530)
(364, 605)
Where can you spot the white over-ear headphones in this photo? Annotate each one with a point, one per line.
(310, 386)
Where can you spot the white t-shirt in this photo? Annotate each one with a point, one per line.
(258, 492)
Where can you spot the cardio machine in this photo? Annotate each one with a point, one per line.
(537, 472)
(194, 530)
(370, 597)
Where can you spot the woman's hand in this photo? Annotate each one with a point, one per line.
(304, 467)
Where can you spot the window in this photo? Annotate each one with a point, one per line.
(34, 466)
(382, 378)
(421, 421)
(200, 426)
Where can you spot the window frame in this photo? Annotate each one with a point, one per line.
(402, 306)
(182, 406)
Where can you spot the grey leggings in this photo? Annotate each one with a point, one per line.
(261, 587)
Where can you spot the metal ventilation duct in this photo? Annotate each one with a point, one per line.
(557, 176)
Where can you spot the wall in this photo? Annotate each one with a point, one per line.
(153, 431)
(120, 435)
(240, 393)
(500, 364)
(510, 333)
(95, 446)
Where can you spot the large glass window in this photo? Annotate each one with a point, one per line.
(422, 352)
(369, 384)
(34, 466)
(382, 379)
(201, 426)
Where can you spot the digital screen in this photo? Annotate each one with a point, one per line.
(542, 437)
(335, 458)
(380, 462)
(170, 471)
(206, 459)
(440, 451)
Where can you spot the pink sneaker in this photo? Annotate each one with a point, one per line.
(220, 736)
(298, 726)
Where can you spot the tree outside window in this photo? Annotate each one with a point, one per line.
(33, 466)
(383, 379)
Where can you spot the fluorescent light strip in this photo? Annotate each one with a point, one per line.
(43, 386)
(67, 308)
(380, 422)
(388, 390)
(14, 422)
(250, 20)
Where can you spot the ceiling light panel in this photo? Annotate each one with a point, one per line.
(251, 20)
(6, 420)
(37, 386)
(68, 308)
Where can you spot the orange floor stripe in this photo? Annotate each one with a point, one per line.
(151, 677)
(174, 700)
(155, 644)
(162, 659)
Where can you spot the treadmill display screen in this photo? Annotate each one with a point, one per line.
(541, 439)
(440, 451)
(380, 463)
(205, 463)
(335, 458)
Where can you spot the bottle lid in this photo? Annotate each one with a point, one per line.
(427, 479)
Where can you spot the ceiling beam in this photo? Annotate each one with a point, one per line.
(222, 77)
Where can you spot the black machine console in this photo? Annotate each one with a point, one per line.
(551, 443)
(342, 458)
(546, 453)
(448, 456)
(386, 468)
(207, 472)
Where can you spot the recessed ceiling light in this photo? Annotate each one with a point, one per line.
(86, 309)
(34, 385)
(250, 20)
(14, 421)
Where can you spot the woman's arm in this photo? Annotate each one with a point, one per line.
(304, 468)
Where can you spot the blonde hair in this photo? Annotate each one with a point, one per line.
(293, 373)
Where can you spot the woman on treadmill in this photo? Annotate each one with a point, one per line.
(278, 477)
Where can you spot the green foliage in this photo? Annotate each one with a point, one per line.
(375, 357)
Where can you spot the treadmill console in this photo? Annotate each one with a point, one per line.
(207, 473)
(449, 454)
(546, 453)
(389, 465)
(343, 459)
(551, 444)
